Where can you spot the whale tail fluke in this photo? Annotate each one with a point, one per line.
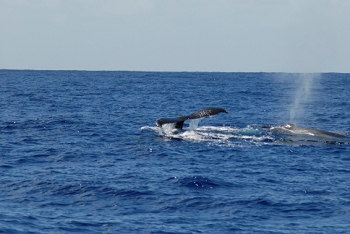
(179, 125)
(179, 121)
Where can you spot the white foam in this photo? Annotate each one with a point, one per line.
(213, 135)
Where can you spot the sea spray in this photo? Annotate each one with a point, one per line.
(302, 95)
(193, 124)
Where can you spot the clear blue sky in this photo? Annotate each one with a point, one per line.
(176, 35)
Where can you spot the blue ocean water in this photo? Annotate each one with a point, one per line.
(80, 153)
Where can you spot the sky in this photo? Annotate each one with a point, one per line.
(176, 35)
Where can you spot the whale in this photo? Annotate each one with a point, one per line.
(180, 119)
(289, 128)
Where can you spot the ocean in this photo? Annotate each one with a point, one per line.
(81, 153)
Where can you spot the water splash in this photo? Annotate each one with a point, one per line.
(193, 124)
(214, 135)
(302, 95)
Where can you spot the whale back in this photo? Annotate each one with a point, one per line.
(310, 131)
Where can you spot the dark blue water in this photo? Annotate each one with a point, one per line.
(80, 153)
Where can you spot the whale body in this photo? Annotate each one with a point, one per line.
(179, 121)
(296, 130)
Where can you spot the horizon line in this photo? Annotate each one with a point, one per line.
(163, 71)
